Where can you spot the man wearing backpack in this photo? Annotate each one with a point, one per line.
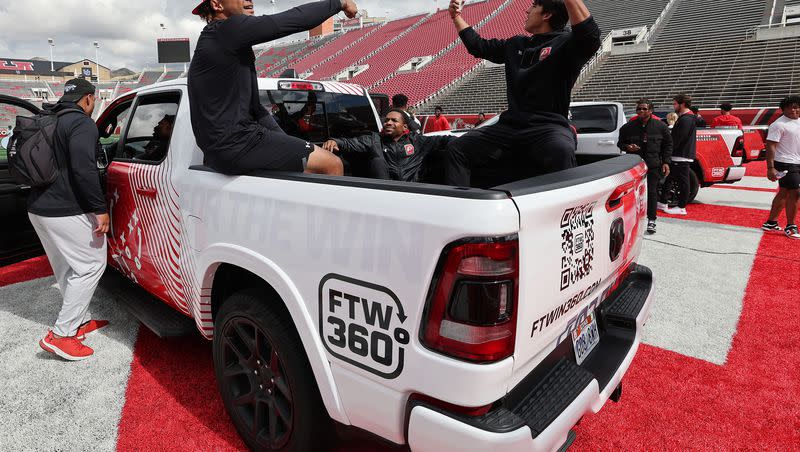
(71, 219)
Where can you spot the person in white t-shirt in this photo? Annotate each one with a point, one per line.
(783, 165)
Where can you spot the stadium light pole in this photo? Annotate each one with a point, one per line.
(52, 44)
(97, 59)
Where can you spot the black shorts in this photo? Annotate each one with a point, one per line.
(271, 150)
(791, 180)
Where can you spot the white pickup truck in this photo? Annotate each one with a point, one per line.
(439, 317)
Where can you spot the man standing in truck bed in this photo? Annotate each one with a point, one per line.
(235, 132)
(540, 71)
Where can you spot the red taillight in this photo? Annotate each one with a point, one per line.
(301, 86)
(471, 311)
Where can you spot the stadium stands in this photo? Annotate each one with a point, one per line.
(457, 61)
(362, 49)
(171, 75)
(346, 40)
(709, 49)
(148, 78)
(274, 55)
(710, 59)
(430, 38)
(313, 46)
(485, 90)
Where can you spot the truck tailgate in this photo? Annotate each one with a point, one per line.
(579, 230)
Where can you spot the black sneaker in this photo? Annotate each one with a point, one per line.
(771, 226)
(651, 227)
(791, 231)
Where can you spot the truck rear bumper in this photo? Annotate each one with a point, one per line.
(539, 413)
(735, 173)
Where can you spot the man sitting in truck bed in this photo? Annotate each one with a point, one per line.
(541, 70)
(235, 132)
(395, 153)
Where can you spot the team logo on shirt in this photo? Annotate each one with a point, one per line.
(545, 53)
(409, 149)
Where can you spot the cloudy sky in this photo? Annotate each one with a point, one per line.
(127, 29)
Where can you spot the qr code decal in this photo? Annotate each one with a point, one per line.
(577, 244)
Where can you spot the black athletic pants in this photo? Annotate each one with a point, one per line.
(654, 175)
(533, 149)
(679, 172)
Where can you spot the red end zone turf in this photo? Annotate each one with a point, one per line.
(670, 401)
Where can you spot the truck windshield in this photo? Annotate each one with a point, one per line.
(594, 118)
(317, 116)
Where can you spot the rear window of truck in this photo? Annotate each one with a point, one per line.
(316, 116)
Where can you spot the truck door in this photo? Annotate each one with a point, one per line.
(597, 130)
(145, 225)
(18, 240)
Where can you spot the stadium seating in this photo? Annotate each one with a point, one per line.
(457, 61)
(148, 78)
(171, 75)
(274, 55)
(313, 46)
(711, 59)
(705, 48)
(366, 46)
(344, 41)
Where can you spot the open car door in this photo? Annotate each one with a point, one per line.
(18, 240)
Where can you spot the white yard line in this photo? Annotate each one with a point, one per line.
(48, 403)
(698, 295)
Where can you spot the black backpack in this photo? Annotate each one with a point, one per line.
(31, 150)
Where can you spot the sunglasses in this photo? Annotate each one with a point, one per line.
(642, 109)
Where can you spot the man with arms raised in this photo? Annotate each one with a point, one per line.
(540, 72)
(235, 132)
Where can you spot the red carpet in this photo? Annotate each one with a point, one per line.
(676, 402)
(734, 216)
(172, 402)
(38, 267)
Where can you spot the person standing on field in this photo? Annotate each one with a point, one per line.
(70, 217)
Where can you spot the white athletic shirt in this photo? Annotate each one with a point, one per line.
(786, 132)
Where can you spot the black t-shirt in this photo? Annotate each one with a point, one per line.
(684, 137)
(541, 70)
(223, 86)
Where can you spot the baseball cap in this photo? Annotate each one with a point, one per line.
(196, 10)
(75, 89)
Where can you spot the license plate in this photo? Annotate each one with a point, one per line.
(585, 338)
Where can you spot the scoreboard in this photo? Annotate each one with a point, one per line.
(173, 50)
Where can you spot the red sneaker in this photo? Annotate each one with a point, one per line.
(88, 327)
(68, 348)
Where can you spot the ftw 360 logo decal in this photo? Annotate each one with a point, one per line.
(577, 244)
(362, 324)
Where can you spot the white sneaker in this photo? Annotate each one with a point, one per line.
(676, 211)
(662, 207)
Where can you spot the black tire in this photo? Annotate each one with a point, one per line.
(264, 377)
(673, 191)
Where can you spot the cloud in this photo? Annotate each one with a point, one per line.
(127, 30)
